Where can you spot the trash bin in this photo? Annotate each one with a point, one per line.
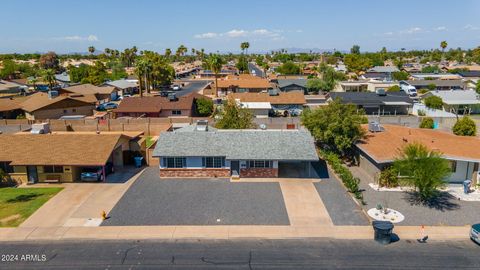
(466, 186)
(383, 231)
(138, 161)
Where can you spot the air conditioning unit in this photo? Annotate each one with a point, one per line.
(381, 92)
(374, 127)
(42, 128)
(202, 125)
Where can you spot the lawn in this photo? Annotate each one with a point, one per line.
(17, 204)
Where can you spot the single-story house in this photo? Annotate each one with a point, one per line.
(470, 75)
(279, 101)
(287, 85)
(439, 84)
(376, 76)
(53, 106)
(238, 84)
(458, 101)
(380, 103)
(203, 151)
(10, 89)
(380, 149)
(258, 109)
(62, 157)
(102, 93)
(10, 108)
(157, 106)
(124, 86)
(384, 69)
(435, 76)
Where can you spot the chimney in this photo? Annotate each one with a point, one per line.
(202, 125)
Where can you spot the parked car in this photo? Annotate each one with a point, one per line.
(176, 87)
(107, 106)
(95, 174)
(475, 233)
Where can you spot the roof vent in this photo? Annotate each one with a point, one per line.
(172, 97)
(42, 128)
(202, 125)
(52, 94)
(375, 127)
(272, 92)
(381, 92)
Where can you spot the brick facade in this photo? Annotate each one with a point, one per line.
(207, 173)
(259, 172)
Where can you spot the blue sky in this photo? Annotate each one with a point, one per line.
(72, 26)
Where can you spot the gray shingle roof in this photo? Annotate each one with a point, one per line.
(122, 84)
(370, 98)
(286, 82)
(239, 144)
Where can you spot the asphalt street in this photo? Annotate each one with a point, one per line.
(252, 254)
(192, 86)
(252, 67)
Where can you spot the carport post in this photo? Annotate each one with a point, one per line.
(104, 174)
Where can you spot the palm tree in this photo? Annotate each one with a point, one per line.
(443, 45)
(48, 76)
(91, 49)
(140, 71)
(215, 62)
(244, 46)
(168, 52)
(33, 81)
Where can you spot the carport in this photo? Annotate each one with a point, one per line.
(298, 169)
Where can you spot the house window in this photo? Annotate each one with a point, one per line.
(175, 162)
(453, 165)
(260, 164)
(213, 162)
(53, 169)
(5, 167)
(176, 112)
(74, 110)
(65, 111)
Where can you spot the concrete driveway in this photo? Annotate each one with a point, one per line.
(155, 201)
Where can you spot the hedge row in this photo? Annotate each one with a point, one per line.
(350, 182)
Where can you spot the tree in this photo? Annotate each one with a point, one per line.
(315, 85)
(204, 106)
(232, 116)
(478, 87)
(433, 102)
(422, 169)
(427, 122)
(48, 77)
(355, 49)
(244, 46)
(330, 76)
(394, 88)
(91, 50)
(431, 86)
(49, 61)
(357, 62)
(289, 68)
(242, 64)
(215, 63)
(168, 52)
(400, 76)
(465, 127)
(443, 45)
(337, 125)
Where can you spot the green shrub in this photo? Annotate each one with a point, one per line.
(465, 127)
(421, 113)
(433, 102)
(204, 106)
(394, 88)
(388, 178)
(427, 122)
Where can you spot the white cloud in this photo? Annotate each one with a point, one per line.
(240, 33)
(470, 27)
(206, 35)
(440, 28)
(388, 33)
(91, 38)
(412, 30)
(236, 33)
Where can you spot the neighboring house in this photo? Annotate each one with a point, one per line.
(381, 103)
(102, 93)
(11, 89)
(435, 76)
(384, 69)
(238, 84)
(279, 101)
(53, 106)
(125, 86)
(287, 85)
(207, 152)
(62, 157)
(258, 109)
(458, 101)
(379, 149)
(365, 85)
(439, 84)
(63, 78)
(315, 101)
(10, 108)
(376, 76)
(157, 106)
(470, 75)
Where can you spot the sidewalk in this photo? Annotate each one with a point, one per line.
(225, 232)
